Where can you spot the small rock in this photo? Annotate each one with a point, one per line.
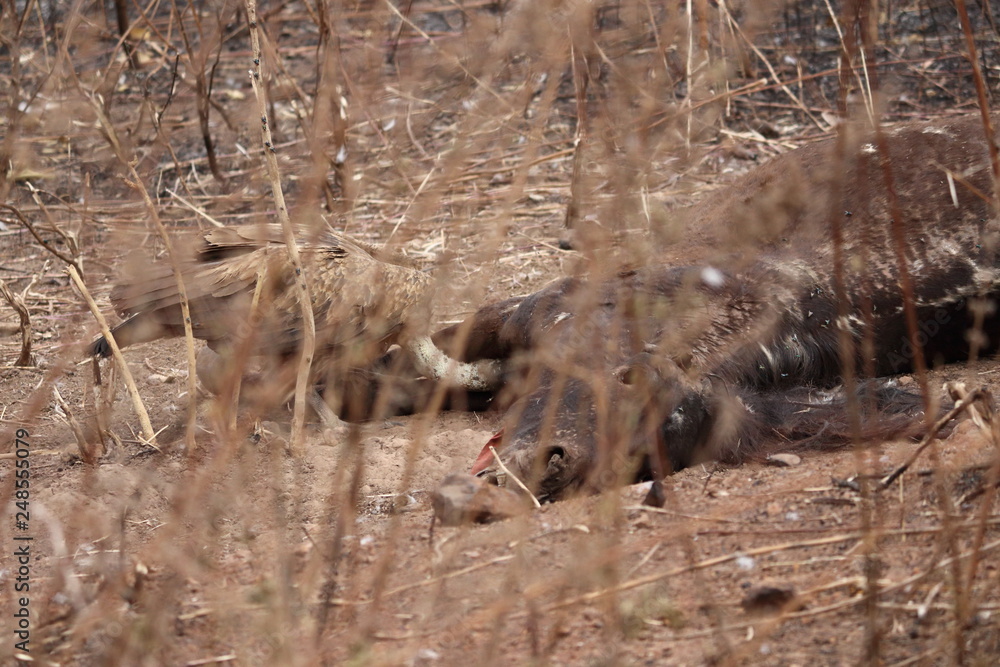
(462, 499)
(655, 497)
(767, 599)
(403, 502)
(784, 460)
(767, 130)
(743, 153)
(426, 656)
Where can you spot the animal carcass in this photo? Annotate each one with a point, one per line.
(742, 342)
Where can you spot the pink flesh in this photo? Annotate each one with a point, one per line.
(485, 457)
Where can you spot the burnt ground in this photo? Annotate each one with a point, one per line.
(458, 145)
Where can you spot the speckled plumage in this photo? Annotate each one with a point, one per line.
(361, 304)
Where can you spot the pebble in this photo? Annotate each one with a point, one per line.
(784, 460)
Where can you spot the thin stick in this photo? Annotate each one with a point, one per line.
(72, 261)
(81, 440)
(586, 598)
(140, 408)
(10, 456)
(982, 93)
(301, 284)
(774, 75)
(201, 212)
(341, 602)
(581, 82)
(137, 184)
(236, 371)
(962, 405)
(840, 604)
(507, 472)
(17, 303)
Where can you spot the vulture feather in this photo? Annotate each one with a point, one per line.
(361, 305)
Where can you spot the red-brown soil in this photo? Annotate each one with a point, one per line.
(244, 551)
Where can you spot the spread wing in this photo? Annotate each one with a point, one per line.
(353, 293)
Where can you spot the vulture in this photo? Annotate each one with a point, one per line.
(362, 306)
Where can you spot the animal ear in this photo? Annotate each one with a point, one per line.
(684, 360)
(679, 356)
(651, 370)
(628, 374)
(639, 371)
(556, 463)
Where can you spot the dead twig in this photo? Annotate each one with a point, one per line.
(770, 68)
(581, 82)
(301, 285)
(86, 452)
(137, 404)
(982, 92)
(10, 456)
(961, 406)
(136, 183)
(203, 82)
(507, 472)
(17, 303)
(72, 261)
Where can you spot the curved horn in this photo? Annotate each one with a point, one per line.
(432, 362)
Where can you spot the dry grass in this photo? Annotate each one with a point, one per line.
(464, 138)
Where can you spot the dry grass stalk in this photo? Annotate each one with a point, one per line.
(72, 260)
(83, 446)
(136, 183)
(17, 303)
(770, 68)
(133, 391)
(581, 84)
(301, 284)
(982, 95)
(197, 59)
(10, 456)
(485, 183)
(965, 403)
(520, 484)
(984, 415)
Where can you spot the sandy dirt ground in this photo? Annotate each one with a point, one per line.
(247, 551)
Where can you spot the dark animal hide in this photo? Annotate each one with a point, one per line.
(737, 348)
